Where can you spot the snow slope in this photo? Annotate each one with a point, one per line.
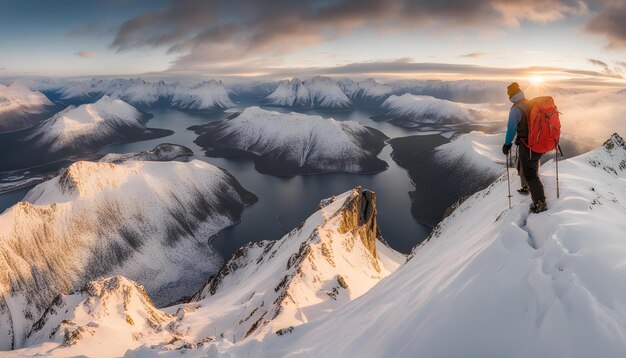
(494, 282)
(295, 143)
(411, 111)
(317, 92)
(149, 221)
(18, 105)
(480, 152)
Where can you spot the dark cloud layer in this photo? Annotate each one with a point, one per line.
(610, 21)
(220, 31)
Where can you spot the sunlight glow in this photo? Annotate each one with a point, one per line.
(536, 80)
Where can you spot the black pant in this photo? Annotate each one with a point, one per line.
(528, 162)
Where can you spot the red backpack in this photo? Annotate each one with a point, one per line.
(544, 125)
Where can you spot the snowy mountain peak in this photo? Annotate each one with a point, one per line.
(328, 260)
(317, 92)
(115, 310)
(615, 141)
(84, 177)
(18, 106)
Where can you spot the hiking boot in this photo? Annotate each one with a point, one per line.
(523, 190)
(538, 206)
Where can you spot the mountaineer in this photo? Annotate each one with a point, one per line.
(528, 160)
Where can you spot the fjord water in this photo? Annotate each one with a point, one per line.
(284, 202)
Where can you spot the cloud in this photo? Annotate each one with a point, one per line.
(610, 22)
(592, 117)
(474, 54)
(86, 54)
(406, 68)
(222, 32)
(606, 69)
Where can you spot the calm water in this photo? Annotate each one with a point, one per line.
(285, 201)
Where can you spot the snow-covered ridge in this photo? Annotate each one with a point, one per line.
(294, 143)
(410, 110)
(149, 221)
(494, 281)
(207, 95)
(17, 104)
(330, 259)
(161, 153)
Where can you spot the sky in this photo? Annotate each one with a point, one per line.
(578, 43)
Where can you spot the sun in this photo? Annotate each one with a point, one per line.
(536, 80)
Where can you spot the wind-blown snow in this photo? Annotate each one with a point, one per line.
(317, 92)
(149, 221)
(95, 122)
(17, 103)
(296, 142)
(410, 110)
(480, 151)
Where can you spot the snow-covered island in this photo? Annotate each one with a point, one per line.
(76, 131)
(161, 153)
(294, 143)
(21, 107)
(150, 221)
(412, 111)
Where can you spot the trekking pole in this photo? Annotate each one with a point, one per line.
(557, 148)
(508, 179)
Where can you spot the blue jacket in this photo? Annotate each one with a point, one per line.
(515, 117)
